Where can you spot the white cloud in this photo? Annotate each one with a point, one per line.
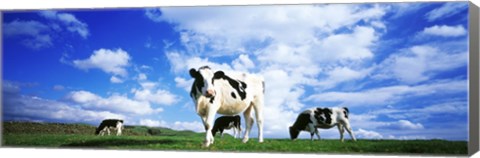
(446, 10)
(115, 103)
(195, 126)
(69, 20)
(109, 61)
(151, 92)
(152, 123)
(390, 94)
(419, 63)
(243, 63)
(342, 74)
(231, 29)
(184, 83)
(142, 77)
(159, 96)
(334, 47)
(402, 9)
(403, 125)
(115, 79)
(445, 31)
(31, 107)
(182, 63)
(177, 125)
(37, 33)
(365, 134)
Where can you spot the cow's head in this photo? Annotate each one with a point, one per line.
(204, 80)
(97, 131)
(293, 133)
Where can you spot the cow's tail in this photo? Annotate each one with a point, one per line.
(346, 111)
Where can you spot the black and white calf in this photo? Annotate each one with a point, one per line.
(227, 122)
(106, 125)
(227, 94)
(311, 119)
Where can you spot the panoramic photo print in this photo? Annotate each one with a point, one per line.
(387, 78)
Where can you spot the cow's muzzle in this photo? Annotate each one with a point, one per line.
(210, 93)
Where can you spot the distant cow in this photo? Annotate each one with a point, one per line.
(227, 94)
(311, 119)
(225, 123)
(106, 125)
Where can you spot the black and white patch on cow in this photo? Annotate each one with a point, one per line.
(227, 94)
(325, 118)
(110, 124)
(225, 123)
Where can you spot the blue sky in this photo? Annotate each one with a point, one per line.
(401, 68)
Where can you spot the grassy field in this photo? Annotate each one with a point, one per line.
(16, 134)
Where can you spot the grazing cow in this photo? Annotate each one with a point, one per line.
(216, 92)
(106, 125)
(311, 119)
(227, 122)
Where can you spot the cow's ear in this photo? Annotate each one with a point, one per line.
(193, 73)
(218, 74)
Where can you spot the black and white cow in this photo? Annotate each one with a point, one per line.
(216, 92)
(227, 122)
(106, 125)
(311, 119)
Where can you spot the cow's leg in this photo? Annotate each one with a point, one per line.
(209, 126)
(349, 130)
(341, 129)
(239, 132)
(119, 131)
(221, 133)
(248, 122)
(317, 133)
(234, 132)
(108, 130)
(312, 130)
(258, 105)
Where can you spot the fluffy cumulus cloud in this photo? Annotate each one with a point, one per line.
(445, 31)
(110, 61)
(116, 103)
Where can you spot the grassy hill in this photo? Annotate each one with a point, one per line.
(26, 134)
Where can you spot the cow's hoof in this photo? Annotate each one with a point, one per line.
(260, 140)
(245, 140)
(206, 145)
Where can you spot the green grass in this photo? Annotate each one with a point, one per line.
(145, 138)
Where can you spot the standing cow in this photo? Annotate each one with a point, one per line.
(106, 125)
(216, 92)
(227, 122)
(311, 119)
